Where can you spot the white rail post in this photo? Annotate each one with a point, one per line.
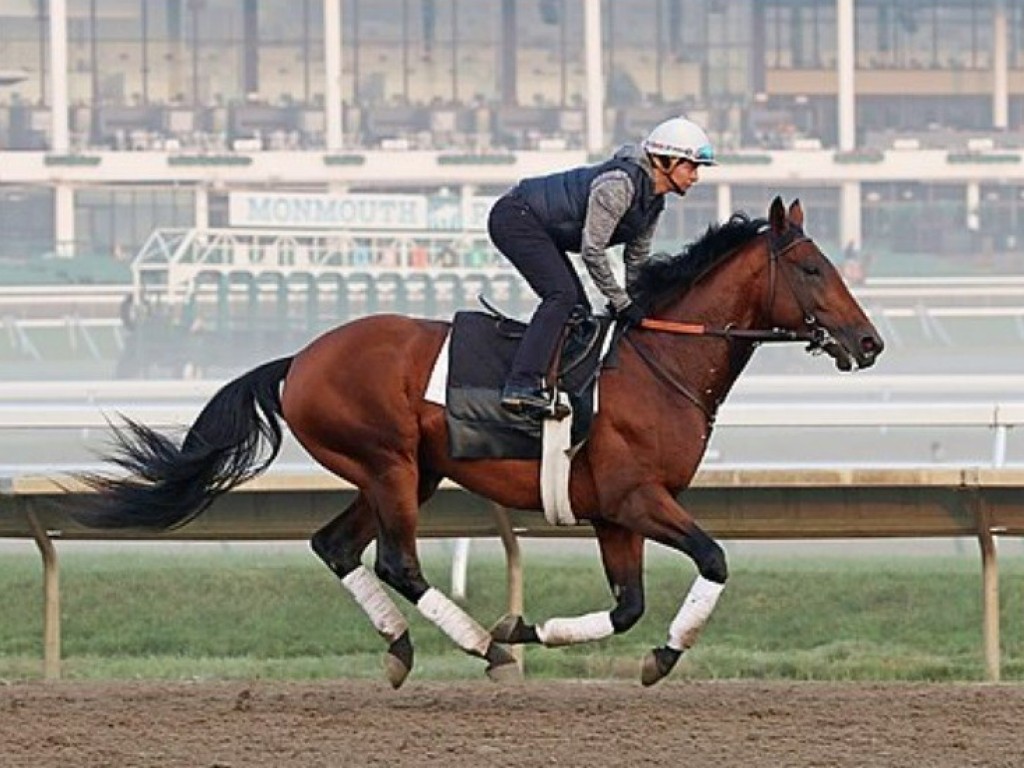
(460, 565)
(51, 599)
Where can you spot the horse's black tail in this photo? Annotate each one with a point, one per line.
(235, 437)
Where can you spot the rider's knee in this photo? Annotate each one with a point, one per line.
(563, 301)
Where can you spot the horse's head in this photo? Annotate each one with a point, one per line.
(808, 295)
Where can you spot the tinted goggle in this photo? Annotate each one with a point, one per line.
(704, 154)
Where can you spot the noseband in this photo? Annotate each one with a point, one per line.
(816, 336)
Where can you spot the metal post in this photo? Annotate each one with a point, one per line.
(850, 218)
(846, 65)
(1000, 67)
(595, 78)
(460, 564)
(514, 569)
(332, 75)
(64, 219)
(59, 76)
(51, 599)
(999, 447)
(724, 197)
(201, 206)
(989, 589)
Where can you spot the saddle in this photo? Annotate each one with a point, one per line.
(481, 348)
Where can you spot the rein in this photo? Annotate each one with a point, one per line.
(671, 380)
(758, 335)
(728, 332)
(814, 335)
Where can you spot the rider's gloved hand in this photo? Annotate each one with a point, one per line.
(630, 315)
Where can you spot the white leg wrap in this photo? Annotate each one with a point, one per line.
(454, 622)
(578, 629)
(693, 613)
(377, 604)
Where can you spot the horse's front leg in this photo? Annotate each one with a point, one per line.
(622, 555)
(651, 511)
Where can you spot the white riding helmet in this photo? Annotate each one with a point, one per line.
(682, 138)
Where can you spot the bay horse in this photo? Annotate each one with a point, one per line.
(354, 399)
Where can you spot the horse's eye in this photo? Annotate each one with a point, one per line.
(811, 270)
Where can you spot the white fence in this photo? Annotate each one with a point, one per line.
(988, 403)
(743, 503)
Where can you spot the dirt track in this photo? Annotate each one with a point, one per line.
(261, 724)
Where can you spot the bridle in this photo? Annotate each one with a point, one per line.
(816, 336)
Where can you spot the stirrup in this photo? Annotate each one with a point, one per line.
(524, 399)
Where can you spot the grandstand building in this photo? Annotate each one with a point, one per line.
(899, 122)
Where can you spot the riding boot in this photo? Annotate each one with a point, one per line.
(525, 399)
(524, 391)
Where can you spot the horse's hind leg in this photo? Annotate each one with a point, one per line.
(622, 556)
(398, 565)
(340, 544)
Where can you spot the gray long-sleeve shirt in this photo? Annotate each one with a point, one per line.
(611, 194)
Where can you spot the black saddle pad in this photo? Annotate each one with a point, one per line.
(481, 349)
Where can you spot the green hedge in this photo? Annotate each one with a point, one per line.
(745, 159)
(986, 158)
(72, 160)
(859, 156)
(344, 159)
(476, 159)
(209, 160)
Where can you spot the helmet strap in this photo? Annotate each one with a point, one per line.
(667, 165)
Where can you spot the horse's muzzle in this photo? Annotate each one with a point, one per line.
(871, 347)
(860, 354)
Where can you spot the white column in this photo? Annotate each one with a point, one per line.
(973, 222)
(1000, 87)
(466, 194)
(846, 64)
(202, 207)
(724, 193)
(59, 78)
(332, 75)
(64, 219)
(850, 215)
(595, 78)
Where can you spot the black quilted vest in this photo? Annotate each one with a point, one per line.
(560, 202)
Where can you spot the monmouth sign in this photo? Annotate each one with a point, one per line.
(380, 212)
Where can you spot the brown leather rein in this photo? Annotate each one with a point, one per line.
(728, 332)
(814, 335)
(811, 335)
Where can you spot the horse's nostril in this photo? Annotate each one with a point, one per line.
(870, 345)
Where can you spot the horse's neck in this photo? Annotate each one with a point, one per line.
(730, 297)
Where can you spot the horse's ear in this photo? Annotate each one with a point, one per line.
(796, 213)
(777, 217)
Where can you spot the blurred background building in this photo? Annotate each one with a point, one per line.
(262, 170)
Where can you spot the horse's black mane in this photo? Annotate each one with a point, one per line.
(664, 273)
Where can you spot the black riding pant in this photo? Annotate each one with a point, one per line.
(520, 236)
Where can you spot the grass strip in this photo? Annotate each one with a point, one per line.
(245, 613)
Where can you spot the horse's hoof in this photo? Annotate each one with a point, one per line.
(512, 629)
(657, 664)
(502, 666)
(398, 660)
